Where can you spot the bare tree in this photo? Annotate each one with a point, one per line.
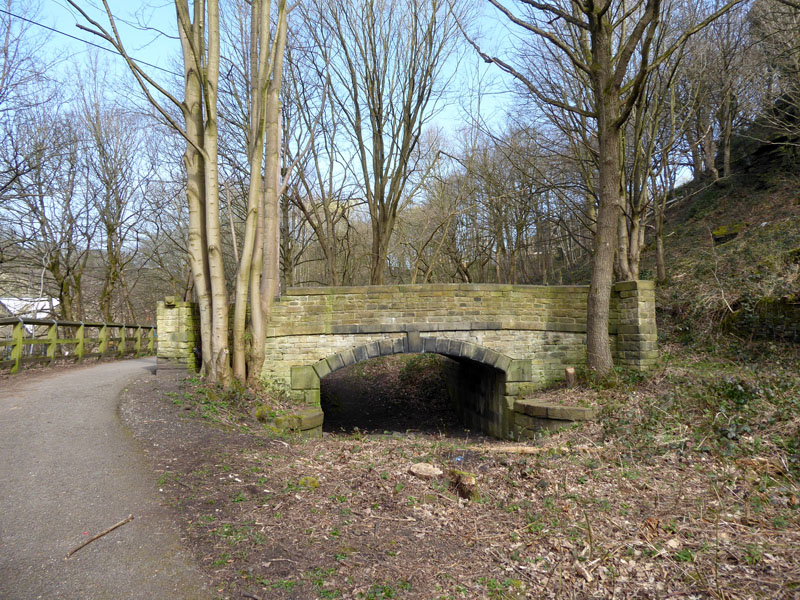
(318, 189)
(609, 43)
(48, 207)
(22, 78)
(775, 28)
(117, 155)
(257, 274)
(386, 62)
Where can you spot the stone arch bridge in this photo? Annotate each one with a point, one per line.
(506, 341)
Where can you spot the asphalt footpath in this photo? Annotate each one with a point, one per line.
(68, 471)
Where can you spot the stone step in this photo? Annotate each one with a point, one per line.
(545, 410)
(305, 422)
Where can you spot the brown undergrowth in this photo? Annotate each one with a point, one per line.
(686, 488)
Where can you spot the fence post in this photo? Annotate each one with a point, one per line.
(80, 346)
(151, 344)
(52, 341)
(16, 350)
(137, 346)
(121, 347)
(103, 339)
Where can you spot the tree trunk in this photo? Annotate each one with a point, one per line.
(606, 95)
(258, 57)
(635, 247)
(623, 248)
(598, 344)
(710, 151)
(381, 232)
(195, 195)
(270, 265)
(287, 252)
(661, 268)
(696, 153)
(726, 132)
(244, 272)
(220, 354)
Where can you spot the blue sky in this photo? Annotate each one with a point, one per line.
(145, 27)
(148, 30)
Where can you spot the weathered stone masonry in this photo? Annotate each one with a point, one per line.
(178, 326)
(507, 340)
(521, 337)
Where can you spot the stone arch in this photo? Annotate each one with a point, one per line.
(479, 384)
(413, 344)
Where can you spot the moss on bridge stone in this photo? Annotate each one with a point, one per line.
(304, 378)
(529, 334)
(178, 326)
(522, 337)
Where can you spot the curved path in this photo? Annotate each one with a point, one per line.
(69, 470)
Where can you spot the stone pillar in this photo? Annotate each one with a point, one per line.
(178, 326)
(634, 322)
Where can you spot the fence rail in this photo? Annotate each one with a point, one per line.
(38, 341)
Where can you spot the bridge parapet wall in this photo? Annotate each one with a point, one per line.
(524, 335)
(634, 317)
(438, 307)
(178, 336)
(545, 325)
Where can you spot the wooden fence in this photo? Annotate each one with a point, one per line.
(38, 341)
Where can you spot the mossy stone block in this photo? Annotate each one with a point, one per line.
(519, 370)
(303, 420)
(322, 368)
(304, 378)
(310, 418)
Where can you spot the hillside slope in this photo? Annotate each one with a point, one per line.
(733, 257)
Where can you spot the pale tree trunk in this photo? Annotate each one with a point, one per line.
(269, 261)
(287, 249)
(635, 247)
(220, 354)
(622, 264)
(193, 160)
(270, 276)
(257, 325)
(265, 58)
(726, 131)
(637, 208)
(660, 207)
(259, 56)
(661, 268)
(709, 151)
(695, 152)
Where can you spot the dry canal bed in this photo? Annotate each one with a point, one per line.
(591, 512)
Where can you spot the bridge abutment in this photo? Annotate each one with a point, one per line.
(508, 340)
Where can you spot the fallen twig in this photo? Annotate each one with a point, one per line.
(127, 519)
(178, 481)
(509, 449)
